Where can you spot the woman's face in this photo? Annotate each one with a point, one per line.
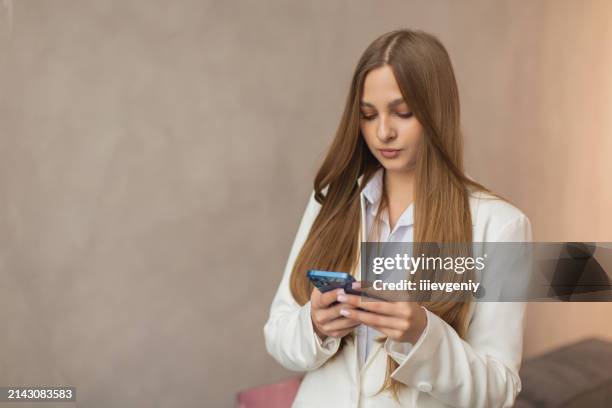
(387, 123)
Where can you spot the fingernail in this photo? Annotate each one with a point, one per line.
(341, 298)
(356, 285)
(344, 312)
(341, 291)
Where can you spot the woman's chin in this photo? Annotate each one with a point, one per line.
(397, 166)
(392, 164)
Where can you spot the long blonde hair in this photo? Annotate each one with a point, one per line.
(424, 74)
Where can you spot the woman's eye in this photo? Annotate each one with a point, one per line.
(404, 115)
(367, 117)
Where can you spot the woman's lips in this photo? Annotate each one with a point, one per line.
(389, 153)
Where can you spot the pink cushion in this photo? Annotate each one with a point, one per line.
(277, 395)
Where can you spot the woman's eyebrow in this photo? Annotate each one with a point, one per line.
(391, 104)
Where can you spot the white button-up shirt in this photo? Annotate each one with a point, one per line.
(402, 232)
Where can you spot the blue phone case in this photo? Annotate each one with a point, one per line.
(329, 280)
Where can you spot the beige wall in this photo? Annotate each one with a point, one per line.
(537, 98)
(156, 157)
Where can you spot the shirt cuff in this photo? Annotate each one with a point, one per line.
(419, 362)
(329, 343)
(399, 351)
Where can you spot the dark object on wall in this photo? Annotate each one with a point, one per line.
(579, 276)
(575, 376)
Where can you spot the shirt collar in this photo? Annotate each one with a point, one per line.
(373, 188)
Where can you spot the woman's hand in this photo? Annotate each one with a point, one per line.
(400, 321)
(326, 317)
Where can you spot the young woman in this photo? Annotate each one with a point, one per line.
(394, 172)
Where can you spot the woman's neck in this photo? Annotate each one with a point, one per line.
(400, 187)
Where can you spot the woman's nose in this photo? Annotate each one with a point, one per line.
(384, 131)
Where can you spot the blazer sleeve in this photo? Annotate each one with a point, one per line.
(289, 334)
(481, 371)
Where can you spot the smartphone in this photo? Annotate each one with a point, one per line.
(329, 280)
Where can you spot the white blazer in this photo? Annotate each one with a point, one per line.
(439, 370)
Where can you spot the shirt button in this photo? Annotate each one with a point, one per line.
(424, 386)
